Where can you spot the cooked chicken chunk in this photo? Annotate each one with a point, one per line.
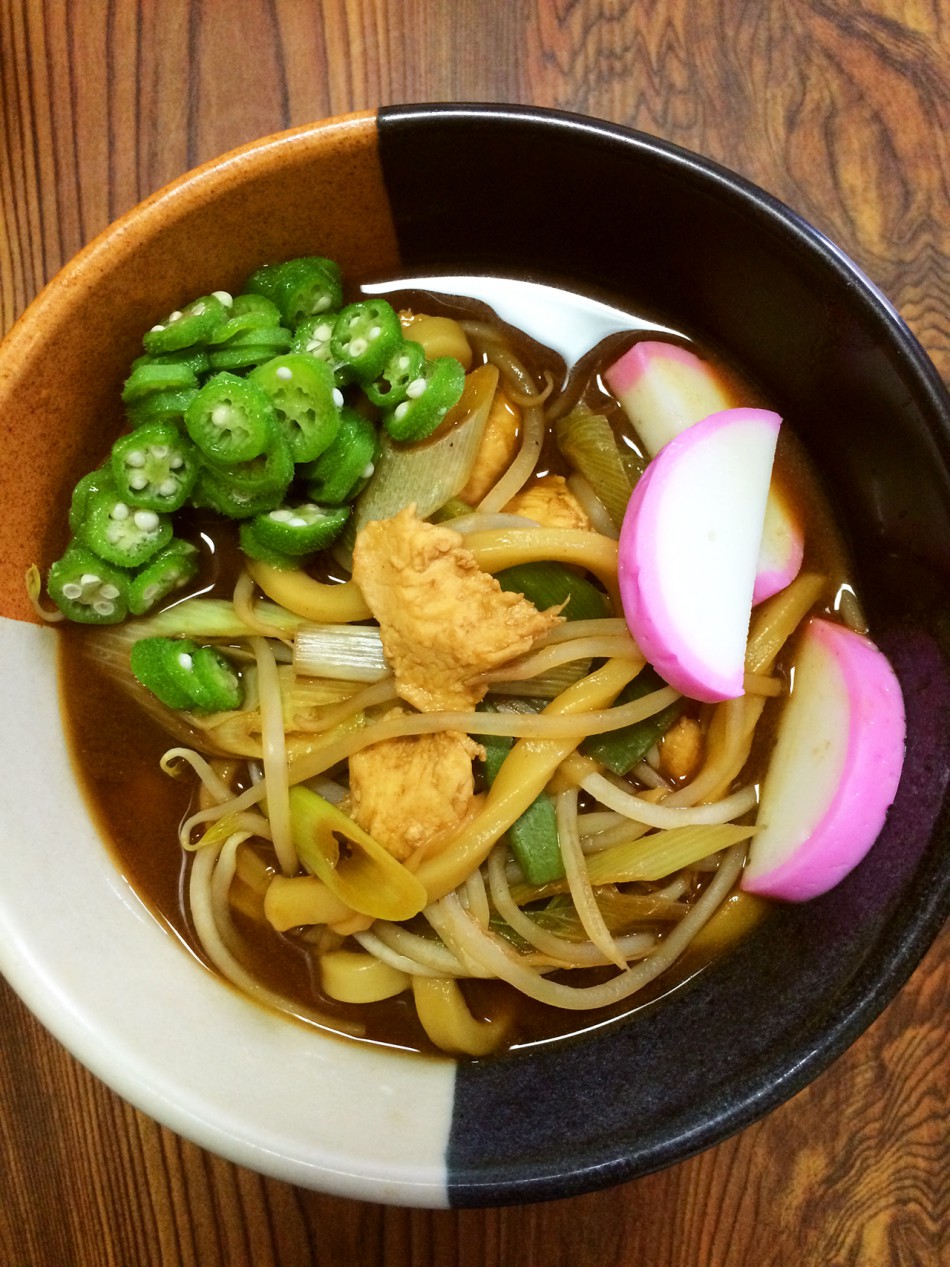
(443, 621)
(681, 749)
(497, 449)
(550, 503)
(408, 792)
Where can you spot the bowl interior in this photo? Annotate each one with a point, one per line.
(597, 209)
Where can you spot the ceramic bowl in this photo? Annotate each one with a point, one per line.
(603, 210)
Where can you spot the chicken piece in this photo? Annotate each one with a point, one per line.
(550, 503)
(408, 792)
(497, 450)
(443, 621)
(681, 749)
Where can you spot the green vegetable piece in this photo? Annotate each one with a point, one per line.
(87, 589)
(588, 442)
(185, 676)
(155, 467)
(155, 663)
(341, 471)
(428, 400)
(119, 533)
(244, 356)
(230, 419)
(165, 406)
(300, 288)
(278, 338)
(221, 686)
(406, 365)
(150, 375)
(168, 570)
(244, 489)
(533, 837)
(195, 359)
(306, 402)
(313, 337)
(254, 548)
(550, 584)
(94, 482)
(265, 309)
(365, 335)
(620, 750)
(297, 530)
(248, 312)
(194, 324)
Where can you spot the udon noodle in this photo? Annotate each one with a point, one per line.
(281, 834)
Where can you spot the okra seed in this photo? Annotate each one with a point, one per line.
(119, 512)
(102, 608)
(156, 329)
(224, 297)
(368, 470)
(138, 480)
(72, 591)
(176, 461)
(297, 522)
(221, 415)
(145, 520)
(338, 398)
(401, 410)
(282, 514)
(174, 316)
(109, 591)
(184, 659)
(322, 304)
(135, 458)
(358, 347)
(88, 578)
(375, 332)
(168, 488)
(159, 451)
(284, 372)
(416, 388)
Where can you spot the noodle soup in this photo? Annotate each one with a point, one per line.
(395, 834)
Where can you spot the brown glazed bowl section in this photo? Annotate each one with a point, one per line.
(269, 200)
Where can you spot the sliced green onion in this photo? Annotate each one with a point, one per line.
(430, 473)
(352, 653)
(659, 854)
(588, 442)
(620, 750)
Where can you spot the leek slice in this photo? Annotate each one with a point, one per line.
(659, 854)
(363, 875)
(430, 473)
(588, 442)
(351, 653)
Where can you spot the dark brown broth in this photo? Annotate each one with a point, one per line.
(138, 808)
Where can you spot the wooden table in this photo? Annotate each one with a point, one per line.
(840, 108)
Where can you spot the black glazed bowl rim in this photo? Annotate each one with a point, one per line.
(677, 234)
(666, 1127)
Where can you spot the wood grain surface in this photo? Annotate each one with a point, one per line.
(840, 108)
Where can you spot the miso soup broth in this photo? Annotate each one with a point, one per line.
(434, 988)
